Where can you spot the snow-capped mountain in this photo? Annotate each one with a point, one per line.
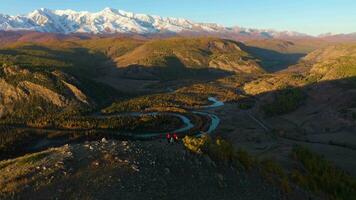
(117, 21)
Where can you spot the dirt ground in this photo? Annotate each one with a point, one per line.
(129, 170)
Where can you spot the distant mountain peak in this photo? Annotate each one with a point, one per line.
(111, 20)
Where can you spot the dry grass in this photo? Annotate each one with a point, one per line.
(219, 150)
(18, 173)
(319, 175)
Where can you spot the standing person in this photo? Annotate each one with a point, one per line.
(172, 139)
(168, 137)
(175, 137)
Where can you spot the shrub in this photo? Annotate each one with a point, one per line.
(246, 104)
(274, 173)
(272, 167)
(197, 145)
(285, 185)
(219, 150)
(245, 159)
(222, 150)
(285, 101)
(319, 175)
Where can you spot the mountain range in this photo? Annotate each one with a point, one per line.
(109, 21)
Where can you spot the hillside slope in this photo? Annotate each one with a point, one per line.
(129, 170)
(333, 62)
(40, 79)
(192, 53)
(27, 93)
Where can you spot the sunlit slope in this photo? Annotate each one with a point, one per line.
(51, 77)
(333, 62)
(193, 53)
(27, 92)
(336, 62)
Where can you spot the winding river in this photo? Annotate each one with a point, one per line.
(188, 125)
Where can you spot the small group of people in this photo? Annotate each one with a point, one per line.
(172, 138)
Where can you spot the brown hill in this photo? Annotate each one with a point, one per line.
(193, 53)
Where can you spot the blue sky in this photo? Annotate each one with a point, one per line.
(308, 16)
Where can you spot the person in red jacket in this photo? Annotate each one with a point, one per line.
(169, 138)
(175, 137)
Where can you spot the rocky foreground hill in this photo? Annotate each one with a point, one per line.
(128, 170)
